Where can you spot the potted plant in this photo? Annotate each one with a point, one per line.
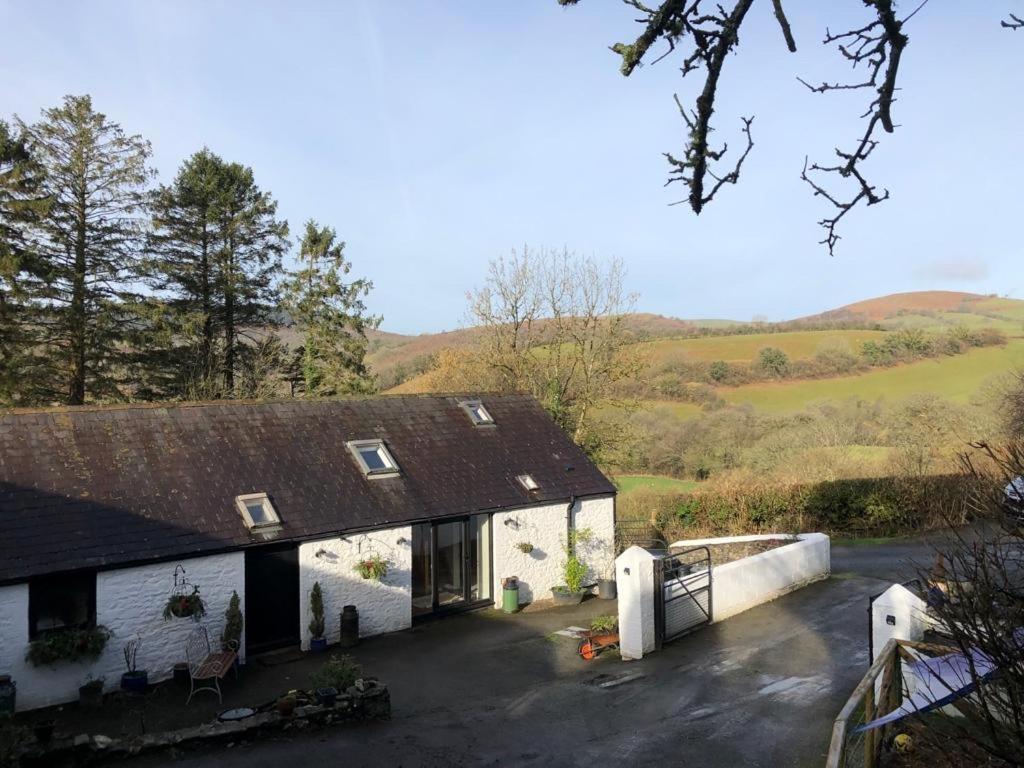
(326, 696)
(43, 730)
(574, 570)
(286, 705)
(373, 567)
(182, 604)
(67, 645)
(317, 641)
(134, 680)
(90, 693)
(234, 622)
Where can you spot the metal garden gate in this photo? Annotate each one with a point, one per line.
(682, 593)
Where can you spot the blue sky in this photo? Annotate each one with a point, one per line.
(435, 136)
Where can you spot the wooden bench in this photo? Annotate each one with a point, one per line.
(205, 665)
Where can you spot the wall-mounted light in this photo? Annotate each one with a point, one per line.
(321, 552)
(402, 541)
(512, 523)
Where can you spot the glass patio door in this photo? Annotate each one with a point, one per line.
(450, 564)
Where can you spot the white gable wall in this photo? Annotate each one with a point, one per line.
(384, 606)
(545, 527)
(129, 602)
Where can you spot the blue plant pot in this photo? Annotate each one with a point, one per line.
(327, 696)
(318, 644)
(135, 682)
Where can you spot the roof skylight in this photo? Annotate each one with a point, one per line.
(528, 482)
(257, 511)
(374, 458)
(479, 415)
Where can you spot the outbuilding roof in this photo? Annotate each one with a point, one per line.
(103, 486)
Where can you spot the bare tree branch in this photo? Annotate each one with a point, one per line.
(878, 46)
(1013, 22)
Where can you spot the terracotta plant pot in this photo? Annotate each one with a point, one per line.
(286, 706)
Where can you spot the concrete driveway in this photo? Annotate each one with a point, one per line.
(484, 689)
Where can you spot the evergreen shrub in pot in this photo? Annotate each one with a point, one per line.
(317, 629)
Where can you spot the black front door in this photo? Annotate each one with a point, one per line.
(271, 598)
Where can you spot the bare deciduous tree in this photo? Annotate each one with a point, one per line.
(705, 32)
(553, 324)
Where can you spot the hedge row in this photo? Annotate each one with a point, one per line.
(860, 507)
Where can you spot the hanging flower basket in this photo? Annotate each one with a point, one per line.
(373, 567)
(180, 606)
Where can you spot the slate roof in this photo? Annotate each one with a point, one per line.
(104, 486)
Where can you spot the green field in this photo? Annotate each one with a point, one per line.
(630, 483)
(957, 378)
(744, 348)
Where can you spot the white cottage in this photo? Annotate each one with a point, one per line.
(104, 509)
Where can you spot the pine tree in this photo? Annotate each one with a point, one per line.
(184, 246)
(22, 205)
(95, 177)
(330, 314)
(215, 248)
(252, 244)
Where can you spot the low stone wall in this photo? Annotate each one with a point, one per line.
(373, 703)
(751, 581)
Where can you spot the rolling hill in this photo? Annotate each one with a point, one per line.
(398, 359)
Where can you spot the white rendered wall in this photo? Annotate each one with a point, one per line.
(743, 584)
(598, 515)
(546, 527)
(130, 603)
(634, 572)
(384, 606)
(907, 612)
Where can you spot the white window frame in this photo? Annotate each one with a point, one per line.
(471, 407)
(391, 470)
(527, 481)
(268, 509)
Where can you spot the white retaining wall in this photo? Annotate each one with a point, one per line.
(129, 602)
(546, 527)
(743, 584)
(384, 606)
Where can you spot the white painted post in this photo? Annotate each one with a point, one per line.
(897, 613)
(634, 572)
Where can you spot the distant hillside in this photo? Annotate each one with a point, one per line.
(397, 358)
(894, 304)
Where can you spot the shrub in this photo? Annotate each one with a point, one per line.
(604, 624)
(864, 506)
(773, 362)
(316, 607)
(234, 622)
(719, 371)
(340, 672)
